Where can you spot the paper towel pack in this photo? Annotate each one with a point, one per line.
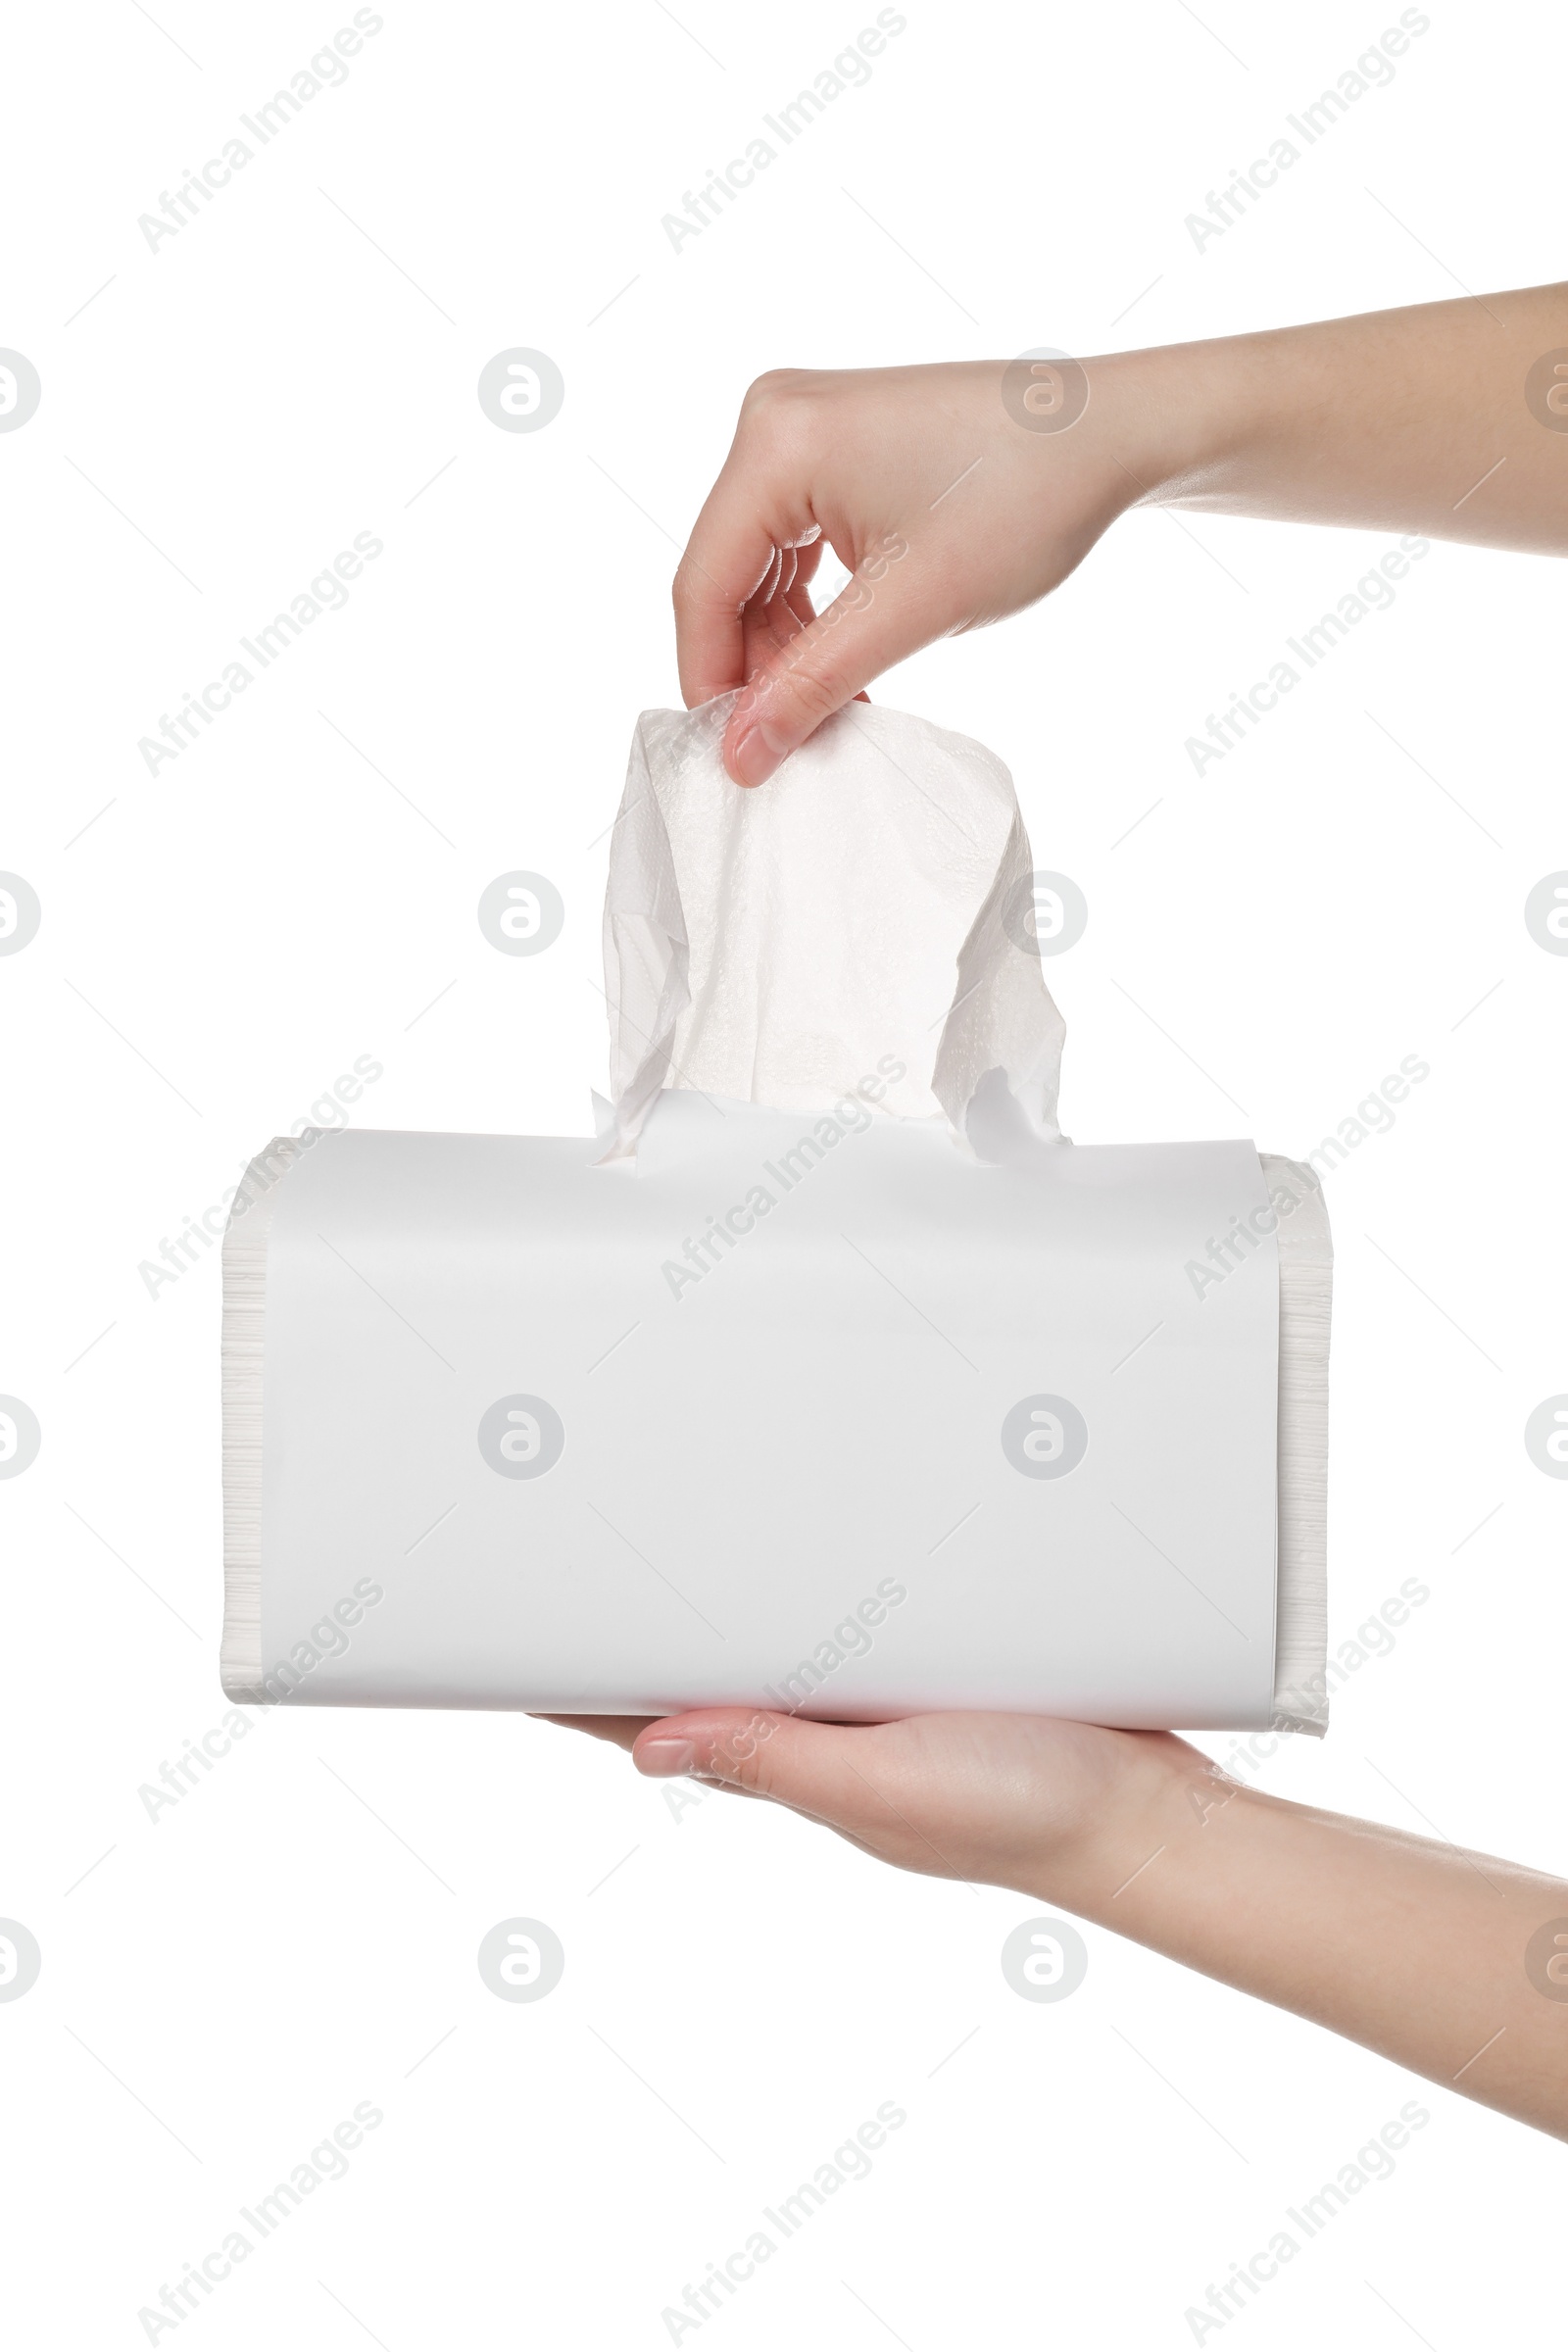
(827, 1376)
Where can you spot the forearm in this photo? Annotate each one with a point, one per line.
(1414, 1948)
(1411, 421)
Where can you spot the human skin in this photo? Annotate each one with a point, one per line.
(1411, 420)
(1412, 1947)
(950, 514)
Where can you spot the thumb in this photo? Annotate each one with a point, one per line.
(850, 1777)
(872, 624)
(806, 1765)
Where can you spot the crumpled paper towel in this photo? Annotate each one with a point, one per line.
(865, 908)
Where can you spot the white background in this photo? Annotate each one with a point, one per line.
(222, 417)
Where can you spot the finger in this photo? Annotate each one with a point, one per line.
(773, 576)
(620, 1729)
(796, 584)
(732, 558)
(771, 622)
(827, 1771)
(765, 629)
(797, 594)
(710, 597)
(799, 600)
(863, 632)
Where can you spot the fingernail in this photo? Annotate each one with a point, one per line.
(665, 1759)
(755, 756)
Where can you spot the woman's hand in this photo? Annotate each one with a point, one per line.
(947, 510)
(1015, 1800)
(955, 495)
(1451, 1963)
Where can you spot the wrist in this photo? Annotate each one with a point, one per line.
(1177, 416)
(1149, 1791)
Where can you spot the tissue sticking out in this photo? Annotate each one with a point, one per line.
(772, 947)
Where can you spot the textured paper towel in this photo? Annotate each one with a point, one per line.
(867, 906)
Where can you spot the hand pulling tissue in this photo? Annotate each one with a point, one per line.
(827, 1376)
